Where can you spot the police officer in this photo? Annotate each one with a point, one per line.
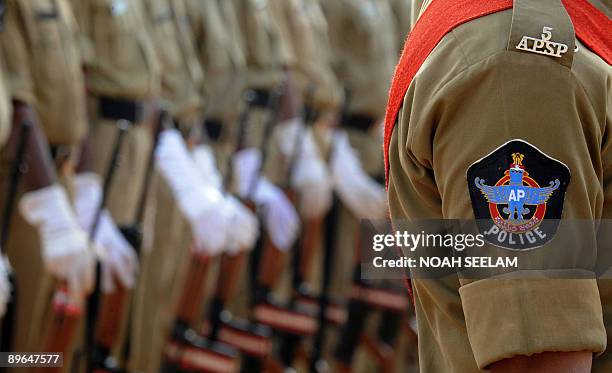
(220, 48)
(46, 81)
(182, 78)
(123, 85)
(363, 41)
(486, 101)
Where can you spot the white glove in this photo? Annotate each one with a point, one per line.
(312, 180)
(243, 226)
(280, 218)
(360, 193)
(5, 285)
(118, 258)
(207, 165)
(65, 245)
(310, 177)
(199, 201)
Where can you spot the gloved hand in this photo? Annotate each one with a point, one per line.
(207, 166)
(360, 193)
(118, 258)
(243, 226)
(279, 216)
(310, 177)
(5, 285)
(65, 246)
(199, 201)
(312, 180)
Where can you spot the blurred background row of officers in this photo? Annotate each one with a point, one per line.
(182, 184)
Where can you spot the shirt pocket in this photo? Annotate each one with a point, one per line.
(53, 40)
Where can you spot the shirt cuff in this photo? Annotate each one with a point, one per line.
(511, 317)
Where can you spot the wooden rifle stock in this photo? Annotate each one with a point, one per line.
(111, 312)
(193, 288)
(62, 325)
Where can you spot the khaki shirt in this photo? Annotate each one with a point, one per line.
(402, 12)
(44, 65)
(471, 96)
(219, 46)
(306, 30)
(364, 44)
(182, 75)
(119, 54)
(265, 48)
(5, 107)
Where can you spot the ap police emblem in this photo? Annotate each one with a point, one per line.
(517, 195)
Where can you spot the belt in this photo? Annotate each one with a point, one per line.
(358, 121)
(213, 128)
(117, 108)
(262, 98)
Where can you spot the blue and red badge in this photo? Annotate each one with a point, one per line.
(517, 195)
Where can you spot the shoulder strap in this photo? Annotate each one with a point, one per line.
(442, 16)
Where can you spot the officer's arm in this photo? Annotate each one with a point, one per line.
(447, 127)
(41, 172)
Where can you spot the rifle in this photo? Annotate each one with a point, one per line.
(305, 248)
(113, 305)
(317, 364)
(183, 337)
(9, 320)
(67, 312)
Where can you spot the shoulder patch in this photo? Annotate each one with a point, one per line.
(517, 194)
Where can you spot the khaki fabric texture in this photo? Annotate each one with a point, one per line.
(402, 12)
(5, 104)
(124, 193)
(119, 54)
(35, 285)
(182, 75)
(264, 47)
(219, 45)
(471, 96)
(161, 280)
(306, 30)
(364, 43)
(44, 65)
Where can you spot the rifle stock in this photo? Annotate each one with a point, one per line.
(193, 289)
(111, 312)
(62, 325)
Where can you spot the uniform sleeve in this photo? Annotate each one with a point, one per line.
(16, 46)
(450, 123)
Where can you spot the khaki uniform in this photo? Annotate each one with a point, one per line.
(5, 104)
(303, 24)
(266, 52)
(402, 10)
(362, 37)
(160, 280)
(44, 66)
(471, 96)
(220, 49)
(121, 64)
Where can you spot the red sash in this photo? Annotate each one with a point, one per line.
(592, 27)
